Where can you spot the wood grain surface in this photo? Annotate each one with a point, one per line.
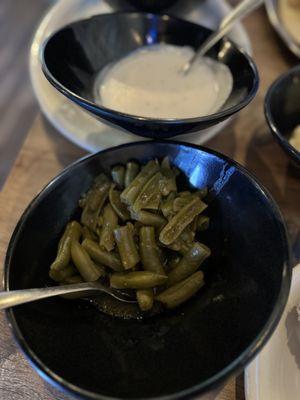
(247, 140)
(18, 107)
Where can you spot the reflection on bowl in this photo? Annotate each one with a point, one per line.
(282, 110)
(179, 354)
(73, 57)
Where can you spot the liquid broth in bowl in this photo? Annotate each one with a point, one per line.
(150, 83)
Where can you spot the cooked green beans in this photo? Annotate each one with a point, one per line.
(110, 222)
(95, 200)
(72, 232)
(117, 205)
(145, 299)
(202, 222)
(129, 195)
(126, 246)
(181, 220)
(63, 274)
(182, 291)
(83, 263)
(149, 252)
(189, 263)
(109, 259)
(132, 169)
(136, 280)
(150, 195)
(118, 175)
(137, 231)
(148, 218)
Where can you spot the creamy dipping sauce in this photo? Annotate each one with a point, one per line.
(295, 138)
(149, 83)
(290, 14)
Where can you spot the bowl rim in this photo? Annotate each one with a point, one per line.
(98, 109)
(278, 25)
(281, 139)
(235, 367)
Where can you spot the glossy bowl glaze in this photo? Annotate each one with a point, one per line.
(282, 110)
(175, 355)
(73, 57)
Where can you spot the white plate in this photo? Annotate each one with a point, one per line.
(275, 373)
(75, 124)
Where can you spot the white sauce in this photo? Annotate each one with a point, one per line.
(295, 138)
(290, 14)
(149, 83)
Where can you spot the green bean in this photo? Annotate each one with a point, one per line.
(110, 222)
(83, 263)
(145, 299)
(165, 164)
(202, 193)
(150, 196)
(189, 263)
(96, 198)
(185, 193)
(182, 291)
(136, 280)
(167, 206)
(168, 183)
(100, 268)
(130, 194)
(132, 169)
(148, 218)
(63, 274)
(180, 202)
(118, 175)
(149, 253)
(119, 207)
(181, 220)
(73, 279)
(109, 259)
(202, 222)
(72, 232)
(126, 246)
(172, 264)
(88, 234)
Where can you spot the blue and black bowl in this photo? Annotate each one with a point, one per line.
(73, 57)
(180, 354)
(282, 110)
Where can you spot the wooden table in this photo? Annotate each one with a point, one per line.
(45, 153)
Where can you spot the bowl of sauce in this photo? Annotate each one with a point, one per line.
(282, 111)
(126, 69)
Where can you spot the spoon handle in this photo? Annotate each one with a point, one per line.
(16, 297)
(244, 8)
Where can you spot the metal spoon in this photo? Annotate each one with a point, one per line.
(244, 8)
(15, 297)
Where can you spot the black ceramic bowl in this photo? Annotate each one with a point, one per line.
(174, 355)
(73, 57)
(282, 110)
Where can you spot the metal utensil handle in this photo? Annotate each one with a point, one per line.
(240, 11)
(15, 297)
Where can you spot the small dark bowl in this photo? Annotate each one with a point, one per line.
(174, 355)
(282, 110)
(73, 57)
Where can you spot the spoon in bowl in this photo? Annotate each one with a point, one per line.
(244, 8)
(15, 297)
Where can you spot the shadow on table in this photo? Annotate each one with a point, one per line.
(65, 151)
(266, 160)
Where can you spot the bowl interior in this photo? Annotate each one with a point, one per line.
(192, 347)
(73, 57)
